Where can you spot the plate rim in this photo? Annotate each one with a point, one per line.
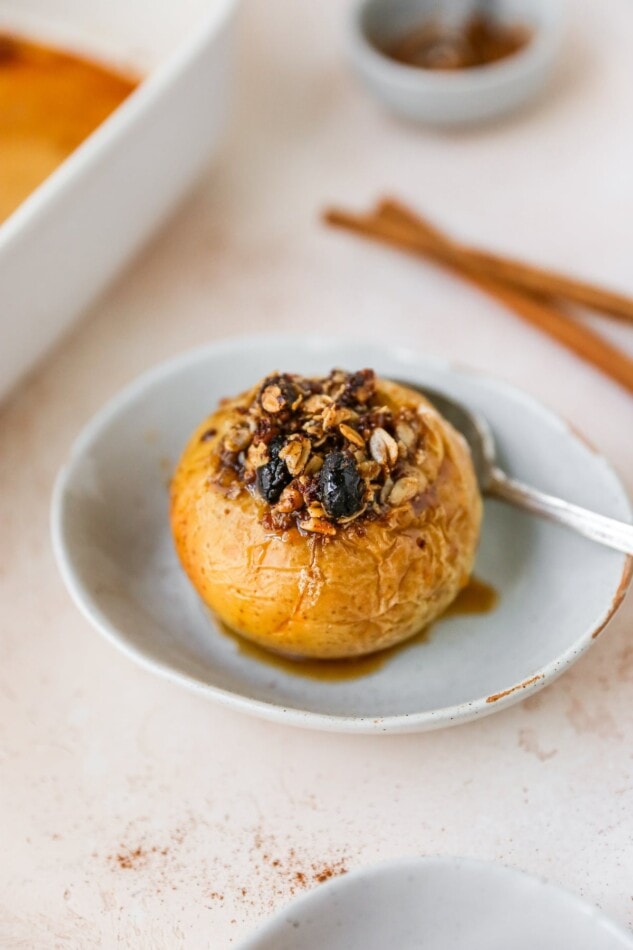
(412, 863)
(400, 723)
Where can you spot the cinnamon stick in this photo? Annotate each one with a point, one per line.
(441, 247)
(418, 237)
(527, 277)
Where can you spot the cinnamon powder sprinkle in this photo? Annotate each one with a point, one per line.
(327, 872)
(127, 860)
(300, 877)
(277, 871)
(131, 859)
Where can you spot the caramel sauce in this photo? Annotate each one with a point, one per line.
(479, 42)
(50, 101)
(476, 598)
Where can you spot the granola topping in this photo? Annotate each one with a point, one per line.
(322, 453)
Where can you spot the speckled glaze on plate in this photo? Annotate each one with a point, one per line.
(113, 545)
(439, 903)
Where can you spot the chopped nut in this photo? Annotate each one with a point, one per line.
(333, 417)
(369, 470)
(296, 453)
(237, 438)
(257, 454)
(313, 428)
(290, 499)
(318, 526)
(351, 435)
(364, 393)
(383, 447)
(316, 510)
(404, 490)
(406, 434)
(316, 404)
(308, 486)
(318, 521)
(337, 376)
(273, 399)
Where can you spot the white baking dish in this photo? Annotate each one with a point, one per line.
(71, 236)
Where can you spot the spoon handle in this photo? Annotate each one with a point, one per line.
(608, 531)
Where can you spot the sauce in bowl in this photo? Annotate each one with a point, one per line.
(480, 41)
(50, 101)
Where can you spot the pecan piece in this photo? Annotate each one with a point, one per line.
(318, 526)
(290, 499)
(272, 398)
(238, 438)
(279, 393)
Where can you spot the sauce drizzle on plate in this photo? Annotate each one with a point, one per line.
(476, 597)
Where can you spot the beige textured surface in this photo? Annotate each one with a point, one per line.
(99, 759)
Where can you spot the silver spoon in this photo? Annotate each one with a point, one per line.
(494, 482)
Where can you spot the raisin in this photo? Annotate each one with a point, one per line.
(340, 486)
(272, 478)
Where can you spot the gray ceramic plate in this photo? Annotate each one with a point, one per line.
(439, 904)
(112, 542)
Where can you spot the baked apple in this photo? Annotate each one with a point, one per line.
(326, 517)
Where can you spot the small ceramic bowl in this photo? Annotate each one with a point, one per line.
(439, 903)
(460, 96)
